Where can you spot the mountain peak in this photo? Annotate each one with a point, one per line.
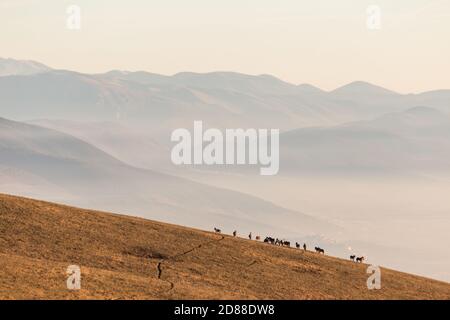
(362, 87)
(11, 67)
(306, 87)
(227, 80)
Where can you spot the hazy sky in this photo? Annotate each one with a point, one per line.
(322, 42)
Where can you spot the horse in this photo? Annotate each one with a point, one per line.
(258, 238)
(319, 250)
(234, 233)
(360, 259)
(352, 257)
(217, 230)
(297, 245)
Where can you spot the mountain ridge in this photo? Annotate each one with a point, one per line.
(351, 86)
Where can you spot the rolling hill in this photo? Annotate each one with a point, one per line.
(131, 145)
(414, 140)
(54, 166)
(123, 257)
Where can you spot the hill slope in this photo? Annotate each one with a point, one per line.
(126, 257)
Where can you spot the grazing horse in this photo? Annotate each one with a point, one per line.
(269, 240)
(286, 243)
(217, 230)
(319, 250)
(360, 259)
(352, 257)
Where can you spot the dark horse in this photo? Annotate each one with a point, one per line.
(319, 250)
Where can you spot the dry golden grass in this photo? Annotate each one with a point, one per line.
(123, 257)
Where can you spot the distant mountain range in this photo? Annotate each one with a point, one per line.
(130, 115)
(220, 99)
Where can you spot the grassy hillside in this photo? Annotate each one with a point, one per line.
(123, 257)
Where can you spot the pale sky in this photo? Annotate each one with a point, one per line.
(322, 42)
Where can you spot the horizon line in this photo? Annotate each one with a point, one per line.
(229, 72)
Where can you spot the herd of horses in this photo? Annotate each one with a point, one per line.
(284, 243)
